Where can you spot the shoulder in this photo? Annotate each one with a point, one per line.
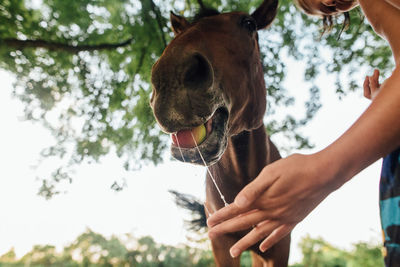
(378, 12)
(384, 17)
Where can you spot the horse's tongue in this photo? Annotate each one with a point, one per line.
(184, 138)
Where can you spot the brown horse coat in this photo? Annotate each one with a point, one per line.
(211, 74)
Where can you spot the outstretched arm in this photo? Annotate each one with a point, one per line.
(287, 190)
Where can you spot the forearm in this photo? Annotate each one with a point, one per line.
(375, 134)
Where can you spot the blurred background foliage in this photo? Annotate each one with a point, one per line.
(82, 69)
(94, 250)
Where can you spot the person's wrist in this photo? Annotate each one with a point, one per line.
(331, 169)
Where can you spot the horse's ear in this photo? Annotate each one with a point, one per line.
(265, 13)
(179, 24)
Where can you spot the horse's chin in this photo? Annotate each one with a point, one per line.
(212, 148)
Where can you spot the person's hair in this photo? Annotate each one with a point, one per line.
(327, 20)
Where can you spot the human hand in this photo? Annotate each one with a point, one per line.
(283, 194)
(371, 85)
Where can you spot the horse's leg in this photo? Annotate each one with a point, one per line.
(220, 248)
(278, 255)
(257, 260)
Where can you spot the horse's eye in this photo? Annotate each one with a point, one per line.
(249, 24)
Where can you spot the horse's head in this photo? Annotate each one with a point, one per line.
(211, 74)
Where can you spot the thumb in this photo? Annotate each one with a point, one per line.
(253, 190)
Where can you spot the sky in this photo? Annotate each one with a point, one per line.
(145, 207)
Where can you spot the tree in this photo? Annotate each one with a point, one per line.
(91, 247)
(9, 256)
(82, 70)
(94, 250)
(319, 253)
(41, 255)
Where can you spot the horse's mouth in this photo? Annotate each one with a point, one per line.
(210, 148)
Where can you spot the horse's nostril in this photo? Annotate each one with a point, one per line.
(198, 74)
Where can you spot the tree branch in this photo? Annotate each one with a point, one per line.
(39, 43)
(141, 59)
(159, 22)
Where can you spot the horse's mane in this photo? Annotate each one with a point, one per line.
(205, 12)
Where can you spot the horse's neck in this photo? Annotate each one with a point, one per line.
(246, 155)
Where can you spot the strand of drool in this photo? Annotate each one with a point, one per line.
(179, 146)
(183, 158)
(209, 172)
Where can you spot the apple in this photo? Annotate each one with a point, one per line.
(184, 138)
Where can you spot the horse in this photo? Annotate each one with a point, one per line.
(209, 93)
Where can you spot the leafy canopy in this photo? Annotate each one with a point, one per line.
(82, 69)
(93, 249)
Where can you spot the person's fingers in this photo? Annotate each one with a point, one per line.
(374, 81)
(245, 197)
(275, 236)
(253, 190)
(259, 232)
(239, 223)
(367, 89)
(376, 75)
(373, 84)
(223, 214)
